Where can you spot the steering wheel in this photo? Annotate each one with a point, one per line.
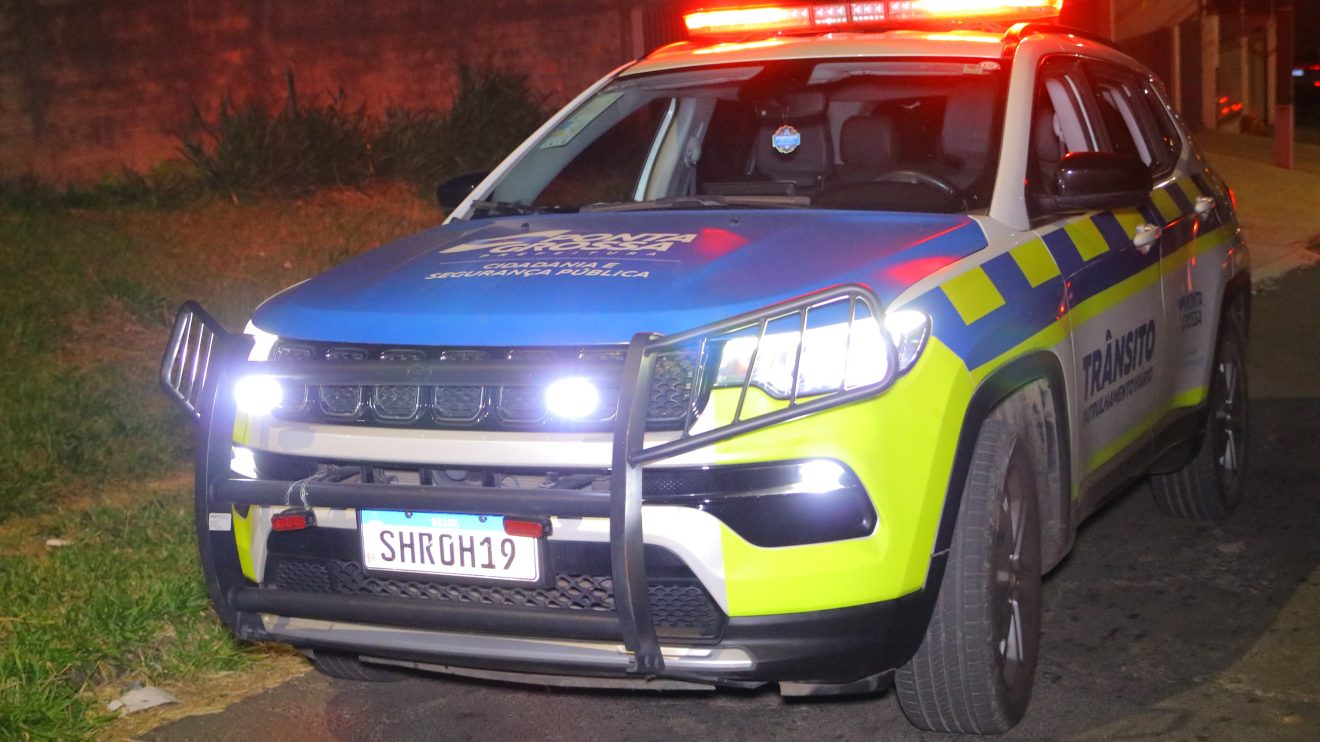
(916, 177)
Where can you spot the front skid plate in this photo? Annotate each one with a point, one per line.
(840, 647)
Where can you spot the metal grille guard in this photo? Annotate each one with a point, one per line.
(203, 360)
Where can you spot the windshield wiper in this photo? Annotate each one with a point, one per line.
(507, 208)
(703, 202)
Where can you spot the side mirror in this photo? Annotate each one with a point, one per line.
(1086, 181)
(452, 192)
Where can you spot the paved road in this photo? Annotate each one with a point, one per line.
(1154, 628)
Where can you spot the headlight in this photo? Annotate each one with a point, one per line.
(572, 398)
(262, 342)
(832, 358)
(257, 395)
(908, 330)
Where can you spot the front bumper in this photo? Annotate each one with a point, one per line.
(200, 367)
(833, 647)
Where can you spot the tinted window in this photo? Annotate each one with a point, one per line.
(1135, 117)
(1057, 123)
(1167, 141)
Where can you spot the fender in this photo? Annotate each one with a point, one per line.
(999, 386)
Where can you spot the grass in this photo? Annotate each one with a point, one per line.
(85, 436)
(311, 142)
(85, 614)
(491, 114)
(89, 278)
(303, 145)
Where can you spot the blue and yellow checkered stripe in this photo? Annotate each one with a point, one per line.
(983, 312)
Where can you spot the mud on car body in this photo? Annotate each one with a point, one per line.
(782, 357)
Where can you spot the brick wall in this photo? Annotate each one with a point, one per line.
(89, 86)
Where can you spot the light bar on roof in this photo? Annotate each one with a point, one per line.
(821, 17)
(745, 20)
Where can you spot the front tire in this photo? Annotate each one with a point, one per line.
(1209, 487)
(975, 670)
(348, 667)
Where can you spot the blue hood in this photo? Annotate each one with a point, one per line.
(587, 279)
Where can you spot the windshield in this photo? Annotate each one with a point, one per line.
(892, 135)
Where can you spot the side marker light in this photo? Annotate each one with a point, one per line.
(526, 528)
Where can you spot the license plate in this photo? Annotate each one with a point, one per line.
(447, 544)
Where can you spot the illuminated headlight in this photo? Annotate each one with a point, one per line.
(262, 342)
(833, 358)
(572, 399)
(258, 395)
(908, 330)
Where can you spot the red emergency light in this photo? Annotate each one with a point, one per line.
(820, 17)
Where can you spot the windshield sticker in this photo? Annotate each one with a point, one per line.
(786, 139)
(1117, 369)
(566, 131)
(981, 68)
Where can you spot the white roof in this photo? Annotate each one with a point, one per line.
(961, 44)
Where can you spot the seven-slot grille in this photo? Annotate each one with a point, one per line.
(674, 390)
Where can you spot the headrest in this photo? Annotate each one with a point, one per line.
(967, 120)
(1045, 136)
(867, 141)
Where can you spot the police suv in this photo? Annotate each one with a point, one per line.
(794, 353)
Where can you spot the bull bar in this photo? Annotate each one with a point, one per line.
(203, 360)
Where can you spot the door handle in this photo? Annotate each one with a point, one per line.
(1145, 236)
(1203, 205)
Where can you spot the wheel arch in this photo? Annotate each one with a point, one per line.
(1027, 389)
(1238, 289)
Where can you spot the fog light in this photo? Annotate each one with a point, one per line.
(258, 395)
(821, 476)
(572, 399)
(243, 462)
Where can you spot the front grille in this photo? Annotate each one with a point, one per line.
(674, 390)
(521, 404)
(672, 383)
(396, 402)
(341, 401)
(684, 609)
(460, 404)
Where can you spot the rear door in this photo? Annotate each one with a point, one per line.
(1194, 231)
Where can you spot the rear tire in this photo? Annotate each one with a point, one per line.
(975, 670)
(1209, 487)
(349, 667)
